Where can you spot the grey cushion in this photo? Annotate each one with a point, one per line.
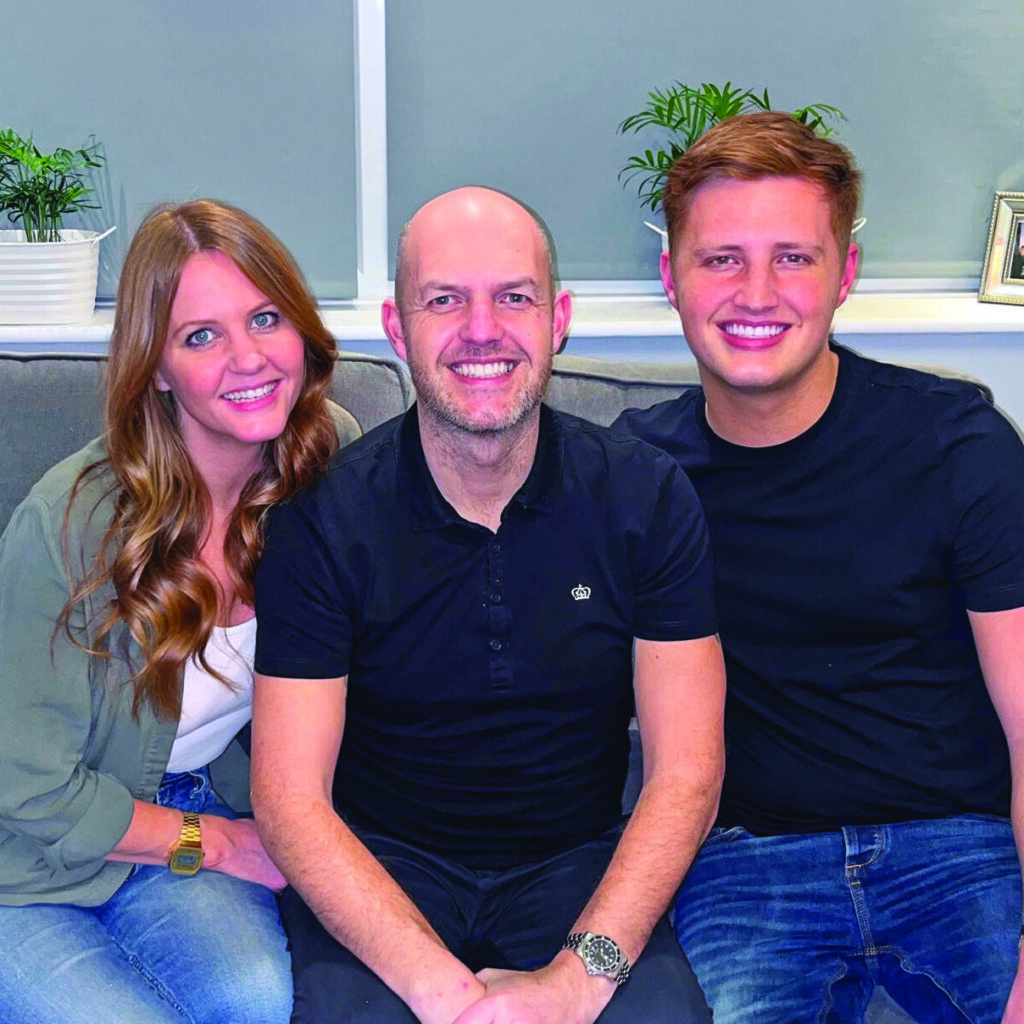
(372, 388)
(600, 389)
(51, 404)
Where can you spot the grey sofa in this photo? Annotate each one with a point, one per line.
(50, 406)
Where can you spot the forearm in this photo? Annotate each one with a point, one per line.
(669, 822)
(1015, 1007)
(671, 819)
(150, 836)
(230, 845)
(359, 903)
(1017, 806)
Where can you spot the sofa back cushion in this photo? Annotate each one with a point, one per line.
(50, 405)
(600, 389)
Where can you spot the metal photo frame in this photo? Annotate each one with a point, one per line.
(1002, 277)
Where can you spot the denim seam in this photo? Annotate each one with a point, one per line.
(856, 888)
(154, 983)
(828, 1001)
(907, 964)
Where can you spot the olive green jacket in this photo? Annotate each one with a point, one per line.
(72, 757)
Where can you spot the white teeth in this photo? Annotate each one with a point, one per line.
(250, 394)
(754, 330)
(482, 369)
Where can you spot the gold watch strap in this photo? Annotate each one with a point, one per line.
(191, 833)
(186, 856)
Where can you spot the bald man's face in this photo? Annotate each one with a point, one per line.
(479, 323)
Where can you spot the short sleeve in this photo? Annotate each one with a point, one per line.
(985, 460)
(304, 629)
(674, 575)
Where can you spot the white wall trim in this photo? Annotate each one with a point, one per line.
(371, 124)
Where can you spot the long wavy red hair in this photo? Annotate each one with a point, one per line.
(165, 596)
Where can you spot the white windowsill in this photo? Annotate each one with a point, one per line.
(624, 316)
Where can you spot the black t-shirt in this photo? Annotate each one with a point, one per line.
(489, 674)
(844, 562)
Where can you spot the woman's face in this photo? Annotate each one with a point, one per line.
(232, 361)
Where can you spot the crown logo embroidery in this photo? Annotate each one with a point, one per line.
(580, 592)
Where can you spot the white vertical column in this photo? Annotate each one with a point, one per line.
(371, 150)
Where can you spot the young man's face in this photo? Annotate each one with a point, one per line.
(756, 274)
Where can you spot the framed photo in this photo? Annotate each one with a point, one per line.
(1002, 277)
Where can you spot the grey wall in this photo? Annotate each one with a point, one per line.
(244, 100)
(252, 100)
(527, 97)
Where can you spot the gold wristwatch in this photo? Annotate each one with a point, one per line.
(186, 856)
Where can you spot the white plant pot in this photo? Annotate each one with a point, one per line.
(48, 282)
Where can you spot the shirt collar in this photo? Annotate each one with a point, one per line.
(427, 505)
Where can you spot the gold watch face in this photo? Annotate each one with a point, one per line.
(186, 860)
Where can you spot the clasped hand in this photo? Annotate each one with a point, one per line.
(234, 847)
(561, 993)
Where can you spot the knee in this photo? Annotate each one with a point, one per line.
(258, 992)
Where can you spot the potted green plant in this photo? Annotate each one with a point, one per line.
(47, 272)
(682, 114)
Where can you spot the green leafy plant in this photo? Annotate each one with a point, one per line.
(685, 113)
(38, 189)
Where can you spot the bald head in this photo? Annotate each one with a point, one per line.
(460, 223)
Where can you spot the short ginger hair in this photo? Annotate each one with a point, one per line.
(766, 144)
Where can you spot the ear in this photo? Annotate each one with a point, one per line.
(667, 280)
(849, 272)
(160, 381)
(391, 321)
(561, 317)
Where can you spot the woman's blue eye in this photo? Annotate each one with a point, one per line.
(268, 318)
(199, 338)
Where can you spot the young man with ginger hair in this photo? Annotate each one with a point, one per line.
(867, 524)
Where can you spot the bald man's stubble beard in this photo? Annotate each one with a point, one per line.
(447, 413)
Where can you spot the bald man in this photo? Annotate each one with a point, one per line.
(448, 622)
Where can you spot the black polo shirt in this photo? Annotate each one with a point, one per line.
(489, 674)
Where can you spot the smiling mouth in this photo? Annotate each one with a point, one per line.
(753, 330)
(482, 370)
(251, 394)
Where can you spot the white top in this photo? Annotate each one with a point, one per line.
(212, 713)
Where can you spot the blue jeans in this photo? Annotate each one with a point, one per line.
(514, 919)
(796, 929)
(164, 949)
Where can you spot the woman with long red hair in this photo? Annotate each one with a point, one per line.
(128, 890)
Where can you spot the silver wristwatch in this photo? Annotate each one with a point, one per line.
(600, 955)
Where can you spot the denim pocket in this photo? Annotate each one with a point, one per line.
(992, 819)
(721, 834)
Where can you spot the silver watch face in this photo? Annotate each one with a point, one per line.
(601, 953)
